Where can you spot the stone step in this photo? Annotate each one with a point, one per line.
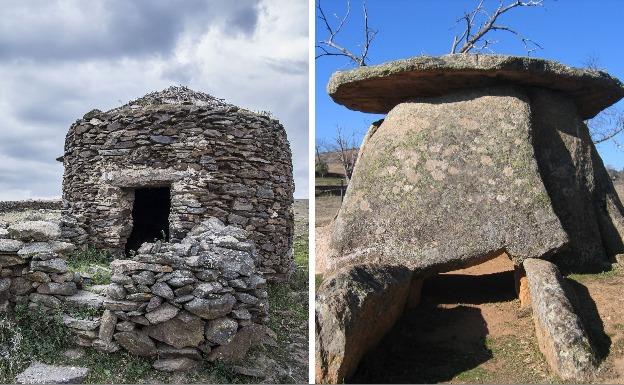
(39, 373)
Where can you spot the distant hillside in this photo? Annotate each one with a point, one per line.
(332, 158)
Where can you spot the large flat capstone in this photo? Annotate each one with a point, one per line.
(379, 88)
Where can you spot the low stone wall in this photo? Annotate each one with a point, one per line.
(52, 204)
(33, 268)
(202, 298)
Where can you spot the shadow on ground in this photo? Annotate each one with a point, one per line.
(436, 342)
(586, 308)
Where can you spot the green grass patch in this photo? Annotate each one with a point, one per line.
(588, 277)
(32, 335)
(93, 262)
(475, 375)
(520, 359)
(117, 368)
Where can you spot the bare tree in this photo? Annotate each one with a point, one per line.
(345, 144)
(475, 39)
(329, 46)
(606, 126)
(609, 123)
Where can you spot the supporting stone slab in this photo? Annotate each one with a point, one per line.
(559, 330)
(522, 287)
(415, 291)
(355, 308)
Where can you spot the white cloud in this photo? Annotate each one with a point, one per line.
(264, 67)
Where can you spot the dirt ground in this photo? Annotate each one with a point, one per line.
(469, 327)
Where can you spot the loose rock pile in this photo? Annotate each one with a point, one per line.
(201, 298)
(218, 160)
(179, 301)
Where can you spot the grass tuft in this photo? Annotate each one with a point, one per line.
(33, 335)
(92, 261)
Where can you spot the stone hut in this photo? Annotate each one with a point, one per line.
(160, 165)
(477, 156)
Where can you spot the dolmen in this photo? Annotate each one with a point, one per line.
(477, 156)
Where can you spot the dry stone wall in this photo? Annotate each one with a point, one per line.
(30, 204)
(218, 160)
(201, 298)
(32, 265)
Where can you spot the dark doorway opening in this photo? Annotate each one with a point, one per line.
(150, 216)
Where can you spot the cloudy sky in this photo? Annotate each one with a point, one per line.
(62, 58)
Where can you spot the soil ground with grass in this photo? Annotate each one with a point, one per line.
(284, 362)
(469, 327)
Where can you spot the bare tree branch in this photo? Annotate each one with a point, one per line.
(329, 46)
(609, 123)
(345, 145)
(472, 39)
(606, 126)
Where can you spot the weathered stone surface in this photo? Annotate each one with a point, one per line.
(107, 326)
(107, 347)
(211, 308)
(85, 299)
(122, 266)
(34, 248)
(65, 288)
(161, 289)
(246, 338)
(81, 324)
(11, 260)
(379, 88)
(55, 265)
(10, 246)
(221, 330)
(559, 330)
(34, 230)
(165, 312)
(39, 373)
(174, 364)
(355, 307)
(136, 343)
(581, 191)
(116, 291)
(184, 330)
(45, 300)
(416, 165)
(120, 305)
(166, 351)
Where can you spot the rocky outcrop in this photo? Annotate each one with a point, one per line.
(380, 88)
(355, 308)
(218, 160)
(560, 333)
